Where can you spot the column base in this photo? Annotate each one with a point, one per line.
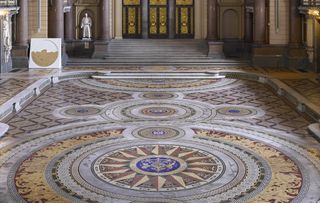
(216, 50)
(64, 55)
(297, 58)
(20, 58)
(79, 48)
(100, 49)
(268, 56)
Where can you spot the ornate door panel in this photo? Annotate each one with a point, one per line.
(131, 19)
(158, 19)
(184, 14)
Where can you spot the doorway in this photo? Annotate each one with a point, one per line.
(158, 19)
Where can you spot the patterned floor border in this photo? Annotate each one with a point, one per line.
(302, 104)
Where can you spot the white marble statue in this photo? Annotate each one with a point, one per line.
(7, 38)
(86, 24)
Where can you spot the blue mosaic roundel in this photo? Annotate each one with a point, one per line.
(158, 165)
(234, 111)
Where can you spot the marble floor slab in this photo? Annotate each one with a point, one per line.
(152, 140)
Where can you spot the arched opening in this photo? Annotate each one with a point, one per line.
(231, 25)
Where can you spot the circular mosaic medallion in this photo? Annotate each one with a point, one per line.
(213, 166)
(239, 111)
(156, 111)
(158, 95)
(158, 133)
(82, 111)
(154, 163)
(164, 110)
(78, 111)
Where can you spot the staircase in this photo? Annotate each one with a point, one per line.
(154, 52)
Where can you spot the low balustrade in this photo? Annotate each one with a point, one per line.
(8, 3)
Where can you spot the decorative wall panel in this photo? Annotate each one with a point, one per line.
(158, 19)
(131, 19)
(184, 19)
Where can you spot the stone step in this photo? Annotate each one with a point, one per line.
(150, 62)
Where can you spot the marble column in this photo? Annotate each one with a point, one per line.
(21, 44)
(295, 23)
(248, 26)
(259, 34)
(22, 24)
(104, 21)
(296, 54)
(101, 44)
(69, 23)
(56, 19)
(214, 45)
(212, 20)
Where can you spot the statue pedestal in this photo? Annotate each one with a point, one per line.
(79, 48)
(20, 56)
(100, 49)
(216, 50)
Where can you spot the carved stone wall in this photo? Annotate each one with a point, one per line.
(231, 19)
(6, 39)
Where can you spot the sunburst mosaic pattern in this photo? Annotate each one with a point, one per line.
(158, 168)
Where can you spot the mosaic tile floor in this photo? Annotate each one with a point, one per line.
(159, 140)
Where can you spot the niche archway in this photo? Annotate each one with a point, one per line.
(92, 16)
(231, 24)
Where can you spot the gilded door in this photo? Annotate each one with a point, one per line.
(131, 19)
(158, 19)
(184, 18)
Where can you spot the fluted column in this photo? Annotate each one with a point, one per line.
(259, 35)
(56, 19)
(295, 30)
(104, 20)
(212, 20)
(69, 23)
(22, 24)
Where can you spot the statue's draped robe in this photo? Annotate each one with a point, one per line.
(86, 26)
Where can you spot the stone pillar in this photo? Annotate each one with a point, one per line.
(56, 19)
(171, 21)
(259, 35)
(69, 23)
(248, 26)
(56, 24)
(21, 45)
(296, 54)
(295, 24)
(104, 20)
(145, 22)
(101, 44)
(214, 45)
(22, 24)
(212, 20)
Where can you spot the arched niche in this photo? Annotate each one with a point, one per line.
(231, 19)
(231, 24)
(92, 8)
(91, 14)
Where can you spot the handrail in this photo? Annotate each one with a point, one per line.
(310, 3)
